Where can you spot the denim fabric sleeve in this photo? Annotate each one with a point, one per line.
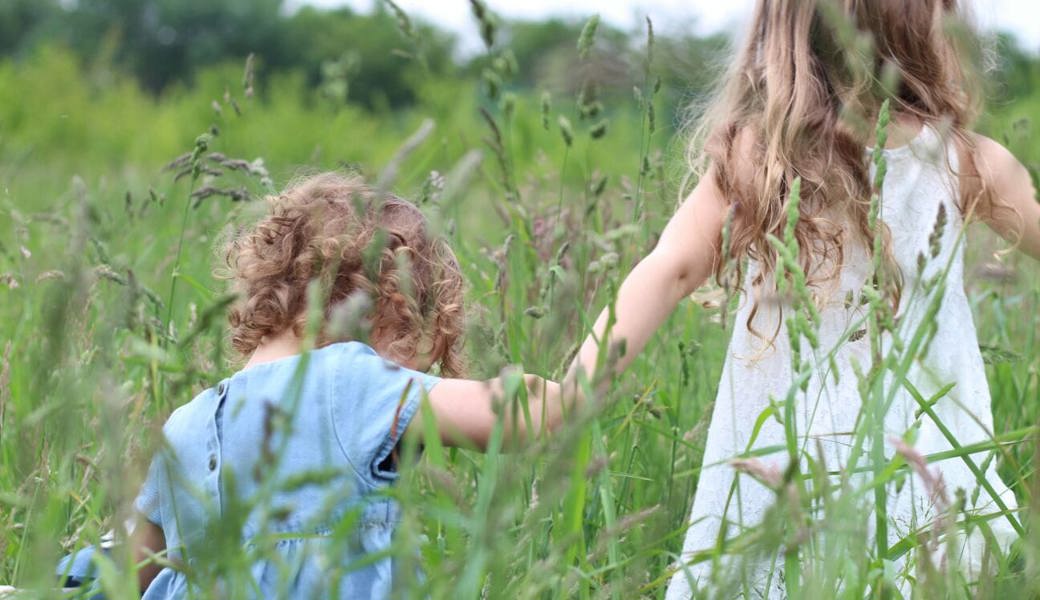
(147, 502)
(372, 405)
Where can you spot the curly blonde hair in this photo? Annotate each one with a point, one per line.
(337, 230)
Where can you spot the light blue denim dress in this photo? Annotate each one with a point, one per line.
(287, 453)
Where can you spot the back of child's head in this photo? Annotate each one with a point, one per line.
(802, 100)
(357, 244)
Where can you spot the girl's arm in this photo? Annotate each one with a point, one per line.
(465, 410)
(683, 260)
(1012, 188)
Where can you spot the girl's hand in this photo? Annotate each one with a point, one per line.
(1012, 188)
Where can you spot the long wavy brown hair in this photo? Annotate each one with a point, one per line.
(801, 100)
(337, 230)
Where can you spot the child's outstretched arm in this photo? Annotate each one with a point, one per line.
(466, 416)
(1012, 188)
(683, 260)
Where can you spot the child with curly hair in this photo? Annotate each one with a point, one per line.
(298, 445)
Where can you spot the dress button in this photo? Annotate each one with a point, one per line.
(212, 462)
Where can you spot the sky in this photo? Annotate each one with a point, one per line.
(1021, 17)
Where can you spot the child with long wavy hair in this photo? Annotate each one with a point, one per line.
(799, 107)
(296, 450)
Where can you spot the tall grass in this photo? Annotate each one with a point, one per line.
(548, 204)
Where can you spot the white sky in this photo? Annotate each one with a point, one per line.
(1022, 17)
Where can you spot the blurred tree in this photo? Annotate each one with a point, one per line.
(22, 20)
(161, 41)
(691, 62)
(1018, 71)
(378, 59)
(364, 58)
(534, 41)
(689, 67)
(547, 58)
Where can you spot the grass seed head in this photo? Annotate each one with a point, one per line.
(566, 130)
(588, 37)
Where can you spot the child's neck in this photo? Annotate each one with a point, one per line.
(276, 347)
(905, 127)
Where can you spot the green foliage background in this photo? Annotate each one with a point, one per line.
(556, 179)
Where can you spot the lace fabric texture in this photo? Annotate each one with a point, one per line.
(921, 210)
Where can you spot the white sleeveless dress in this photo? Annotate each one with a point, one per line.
(921, 178)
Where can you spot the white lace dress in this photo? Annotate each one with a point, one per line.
(921, 179)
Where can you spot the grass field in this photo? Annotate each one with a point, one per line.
(110, 317)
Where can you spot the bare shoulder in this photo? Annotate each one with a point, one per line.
(730, 160)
